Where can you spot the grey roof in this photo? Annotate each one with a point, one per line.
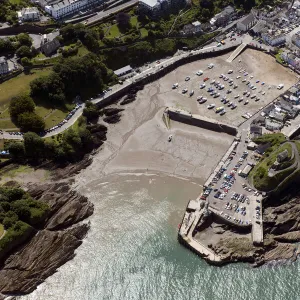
(50, 47)
(2, 60)
(248, 19)
(123, 70)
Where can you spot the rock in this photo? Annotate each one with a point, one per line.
(52, 245)
(38, 259)
(289, 237)
(66, 206)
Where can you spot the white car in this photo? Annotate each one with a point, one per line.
(280, 86)
(199, 73)
(202, 86)
(187, 78)
(211, 106)
(237, 77)
(230, 71)
(210, 66)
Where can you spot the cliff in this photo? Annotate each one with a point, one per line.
(53, 245)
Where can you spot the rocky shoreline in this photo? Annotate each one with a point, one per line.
(52, 245)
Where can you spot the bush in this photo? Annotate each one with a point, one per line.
(24, 51)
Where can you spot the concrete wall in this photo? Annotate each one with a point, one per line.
(160, 73)
(30, 28)
(203, 123)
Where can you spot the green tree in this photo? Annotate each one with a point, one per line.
(24, 39)
(10, 219)
(90, 111)
(34, 145)
(19, 105)
(30, 121)
(16, 150)
(26, 62)
(24, 51)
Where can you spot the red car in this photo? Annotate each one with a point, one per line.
(205, 79)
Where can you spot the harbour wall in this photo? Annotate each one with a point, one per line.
(158, 73)
(197, 120)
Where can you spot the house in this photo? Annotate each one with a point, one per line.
(291, 59)
(273, 125)
(156, 8)
(288, 108)
(123, 71)
(246, 23)
(223, 17)
(29, 14)
(3, 66)
(259, 28)
(251, 146)
(278, 116)
(50, 47)
(274, 39)
(296, 39)
(282, 156)
(255, 129)
(62, 8)
(191, 29)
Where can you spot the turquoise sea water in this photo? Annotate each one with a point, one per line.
(132, 253)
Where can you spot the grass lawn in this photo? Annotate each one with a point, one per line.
(114, 31)
(1, 230)
(54, 117)
(82, 51)
(134, 21)
(18, 85)
(144, 32)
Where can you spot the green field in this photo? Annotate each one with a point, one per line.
(18, 85)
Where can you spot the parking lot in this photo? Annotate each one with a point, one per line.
(229, 193)
(253, 72)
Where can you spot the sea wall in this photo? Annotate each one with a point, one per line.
(197, 120)
(160, 73)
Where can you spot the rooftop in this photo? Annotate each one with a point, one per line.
(123, 70)
(248, 19)
(150, 3)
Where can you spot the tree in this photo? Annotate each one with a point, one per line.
(90, 111)
(10, 219)
(123, 20)
(24, 51)
(34, 145)
(19, 105)
(30, 121)
(24, 39)
(16, 150)
(26, 62)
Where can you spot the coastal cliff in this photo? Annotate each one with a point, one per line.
(52, 245)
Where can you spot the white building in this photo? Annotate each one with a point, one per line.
(3, 66)
(64, 8)
(29, 14)
(274, 39)
(245, 24)
(156, 8)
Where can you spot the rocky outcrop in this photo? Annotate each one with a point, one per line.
(53, 245)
